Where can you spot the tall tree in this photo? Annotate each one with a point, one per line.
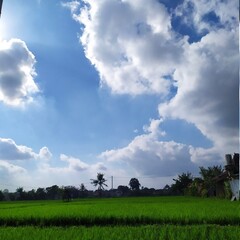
(208, 175)
(66, 194)
(82, 187)
(182, 183)
(20, 194)
(82, 190)
(53, 192)
(134, 184)
(40, 194)
(123, 190)
(99, 182)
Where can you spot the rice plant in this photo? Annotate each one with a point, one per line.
(121, 211)
(153, 232)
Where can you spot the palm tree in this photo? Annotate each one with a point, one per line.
(182, 183)
(82, 188)
(208, 175)
(100, 182)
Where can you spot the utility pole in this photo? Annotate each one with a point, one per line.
(112, 181)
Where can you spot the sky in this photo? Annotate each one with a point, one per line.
(129, 88)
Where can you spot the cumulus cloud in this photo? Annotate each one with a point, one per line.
(73, 6)
(19, 165)
(208, 88)
(153, 128)
(9, 150)
(154, 158)
(74, 171)
(17, 73)
(210, 156)
(11, 168)
(74, 163)
(136, 50)
(44, 154)
(98, 167)
(130, 43)
(209, 15)
(149, 156)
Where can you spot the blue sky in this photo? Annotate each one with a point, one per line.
(127, 88)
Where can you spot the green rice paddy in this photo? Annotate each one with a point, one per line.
(121, 218)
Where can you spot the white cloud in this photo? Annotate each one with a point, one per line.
(17, 73)
(73, 173)
(149, 156)
(98, 167)
(153, 158)
(153, 128)
(19, 165)
(130, 43)
(11, 168)
(208, 89)
(73, 6)
(74, 163)
(136, 51)
(44, 154)
(202, 156)
(9, 150)
(198, 13)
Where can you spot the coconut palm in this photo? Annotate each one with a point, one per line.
(100, 182)
(182, 183)
(209, 177)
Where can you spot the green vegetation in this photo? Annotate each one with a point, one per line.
(122, 232)
(121, 218)
(123, 211)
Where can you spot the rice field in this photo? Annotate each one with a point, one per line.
(121, 218)
(149, 232)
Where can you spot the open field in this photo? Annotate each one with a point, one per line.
(153, 232)
(121, 218)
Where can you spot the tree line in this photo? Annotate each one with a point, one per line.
(184, 184)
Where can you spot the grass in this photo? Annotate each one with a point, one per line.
(154, 232)
(121, 211)
(149, 218)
